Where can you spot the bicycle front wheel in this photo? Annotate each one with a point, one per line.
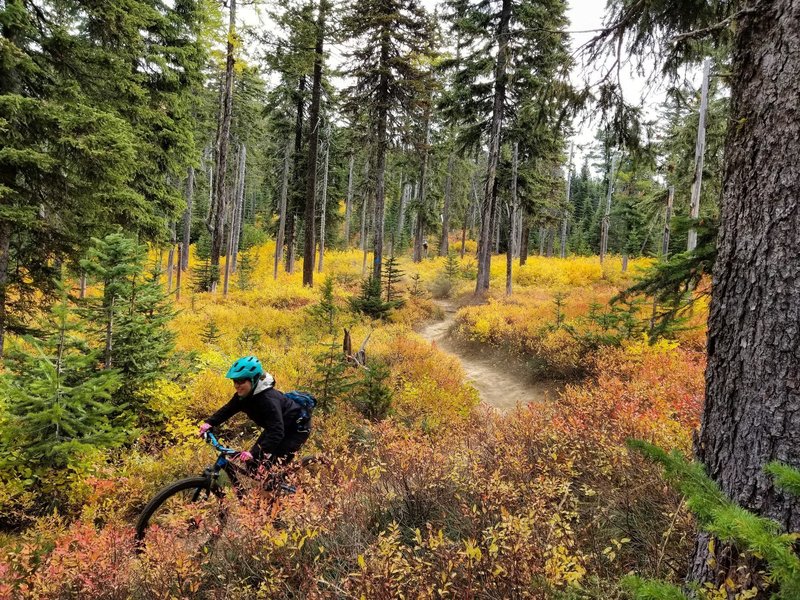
(187, 512)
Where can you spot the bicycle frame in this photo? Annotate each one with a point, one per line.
(223, 463)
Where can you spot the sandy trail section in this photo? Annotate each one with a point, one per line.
(501, 383)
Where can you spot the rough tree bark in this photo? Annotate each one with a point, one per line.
(752, 409)
(297, 175)
(282, 212)
(382, 100)
(607, 213)
(490, 188)
(512, 219)
(524, 241)
(565, 218)
(217, 217)
(187, 219)
(348, 206)
(313, 147)
(238, 212)
(419, 226)
(324, 200)
(405, 195)
(699, 156)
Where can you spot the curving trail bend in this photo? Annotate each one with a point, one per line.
(501, 383)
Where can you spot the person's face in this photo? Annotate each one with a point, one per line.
(243, 387)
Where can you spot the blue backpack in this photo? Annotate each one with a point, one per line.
(306, 402)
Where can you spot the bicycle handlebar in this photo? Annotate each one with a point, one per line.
(212, 439)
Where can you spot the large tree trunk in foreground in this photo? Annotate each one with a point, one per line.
(752, 409)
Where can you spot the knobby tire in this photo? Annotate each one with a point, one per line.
(202, 485)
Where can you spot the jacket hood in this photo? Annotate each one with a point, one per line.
(264, 384)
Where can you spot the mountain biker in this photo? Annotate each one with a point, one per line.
(285, 429)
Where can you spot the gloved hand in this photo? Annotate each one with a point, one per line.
(204, 429)
(245, 456)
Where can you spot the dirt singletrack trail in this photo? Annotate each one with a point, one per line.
(501, 383)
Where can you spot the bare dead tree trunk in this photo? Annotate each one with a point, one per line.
(82, 289)
(607, 213)
(178, 274)
(667, 219)
(282, 212)
(512, 218)
(419, 228)
(348, 207)
(524, 242)
(490, 189)
(363, 233)
(751, 414)
(187, 219)
(217, 217)
(565, 218)
(496, 218)
(228, 249)
(171, 256)
(324, 200)
(364, 247)
(444, 246)
(239, 206)
(699, 155)
(405, 195)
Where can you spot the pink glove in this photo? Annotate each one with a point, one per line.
(245, 456)
(204, 429)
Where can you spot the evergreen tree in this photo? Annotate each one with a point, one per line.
(59, 405)
(374, 398)
(133, 312)
(522, 87)
(211, 333)
(392, 275)
(387, 34)
(370, 302)
(332, 380)
(97, 107)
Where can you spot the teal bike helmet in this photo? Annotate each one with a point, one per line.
(248, 367)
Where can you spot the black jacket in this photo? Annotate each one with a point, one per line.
(269, 409)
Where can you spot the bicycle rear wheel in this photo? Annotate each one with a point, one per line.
(187, 512)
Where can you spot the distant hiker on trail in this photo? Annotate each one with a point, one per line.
(286, 423)
(425, 247)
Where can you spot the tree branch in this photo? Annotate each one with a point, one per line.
(712, 28)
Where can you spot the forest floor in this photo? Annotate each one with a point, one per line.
(502, 381)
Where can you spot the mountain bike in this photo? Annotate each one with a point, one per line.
(193, 510)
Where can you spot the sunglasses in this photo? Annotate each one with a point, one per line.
(240, 381)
